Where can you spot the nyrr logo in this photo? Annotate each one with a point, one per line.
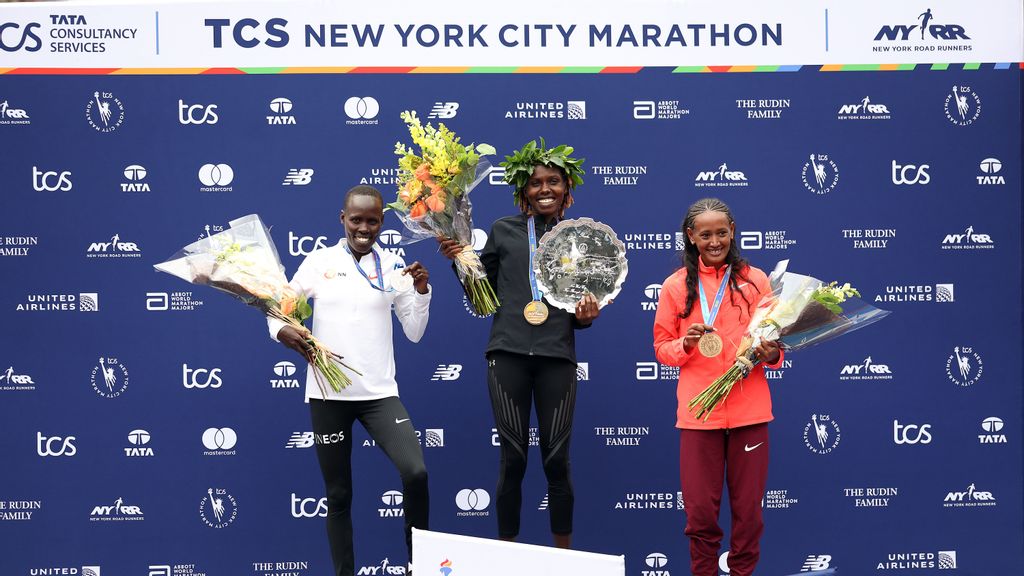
(992, 426)
(55, 445)
(298, 177)
(300, 440)
(139, 440)
(218, 509)
(653, 293)
(722, 177)
(393, 500)
(820, 175)
(817, 562)
(9, 115)
(968, 240)
(866, 370)
(910, 174)
(385, 568)
(51, 181)
(200, 377)
(304, 245)
(655, 561)
(13, 38)
(963, 106)
(284, 371)
(821, 434)
(864, 111)
(197, 113)
(216, 178)
(281, 108)
(964, 367)
(911, 433)
(113, 249)
(990, 167)
(444, 110)
(105, 112)
(362, 110)
(970, 498)
(391, 241)
(308, 507)
(118, 512)
(903, 32)
(12, 381)
(447, 372)
(135, 174)
(109, 378)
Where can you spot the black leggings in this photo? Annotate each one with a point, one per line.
(388, 424)
(513, 379)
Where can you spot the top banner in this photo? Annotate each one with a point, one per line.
(524, 33)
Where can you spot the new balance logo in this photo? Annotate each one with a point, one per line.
(444, 110)
(447, 372)
(300, 440)
(816, 562)
(298, 177)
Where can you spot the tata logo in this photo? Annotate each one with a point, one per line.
(653, 293)
(992, 426)
(138, 439)
(197, 113)
(990, 168)
(394, 499)
(910, 174)
(304, 245)
(902, 32)
(135, 174)
(308, 507)
(200, 377)
(13, 38)
(911, 433)
(55, 445)
(656, 561)
(50, 181)
(281, 107)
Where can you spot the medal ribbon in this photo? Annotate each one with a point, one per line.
(710, 315)
(376, 261)
(533, 249)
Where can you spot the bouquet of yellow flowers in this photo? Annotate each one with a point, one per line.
(433, 199)
(243, 262)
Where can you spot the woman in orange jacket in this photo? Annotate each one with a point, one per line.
(702, 340)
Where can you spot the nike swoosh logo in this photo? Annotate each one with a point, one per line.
(748, 448)
(397, 421)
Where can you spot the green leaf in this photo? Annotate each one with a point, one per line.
(485, 149)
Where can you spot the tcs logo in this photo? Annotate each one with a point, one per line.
(13, 38)
(308, 507)
(191, 377)
(55, 445)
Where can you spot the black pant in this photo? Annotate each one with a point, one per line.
(388, 424)
(513, 379)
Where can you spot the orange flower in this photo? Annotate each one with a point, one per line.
(404, 195)
(418, 210)
(287, 306)
(422, 172)
(434, 186)
(435, 202)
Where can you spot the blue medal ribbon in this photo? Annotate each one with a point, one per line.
(710, 315)
(532, 229)
(376, 261)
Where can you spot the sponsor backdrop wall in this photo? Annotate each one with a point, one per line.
(131, 402)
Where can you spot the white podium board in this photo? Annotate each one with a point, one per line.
(433, 552)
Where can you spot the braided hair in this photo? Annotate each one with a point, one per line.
(691, 256)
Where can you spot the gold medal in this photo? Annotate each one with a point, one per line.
(536, 312)
(710, 344)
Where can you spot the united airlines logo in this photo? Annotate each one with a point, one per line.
(447, 372)
(444, 110)
(576, 110)
(298, 177)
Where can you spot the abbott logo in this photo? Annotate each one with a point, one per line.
(472, 500)
(910, 174)
(444, 110)
(751, 240)
(159, 570)
(55, 445)
(219, 438)
(51, 181)
(447, 372)
(190, 377)
(157, 301)
(644, 110)
(189, 114)
(496, 176)
(365, 108)
(216, 175)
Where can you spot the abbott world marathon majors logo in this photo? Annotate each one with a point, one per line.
(942, 560)
(658, 110)
(12, 381)
(9, 115)
(218, 509)
(539, 110)
(822, 434)
(993, 428)
(473, 502)
(964, 366)
(104, 112)
(176, 570)
(116, 512)
(820, 174)
(721, 177)
(116, 247)
(181, 301)
(962, 105)
(968, 239)
(109, 378)
(766, 240)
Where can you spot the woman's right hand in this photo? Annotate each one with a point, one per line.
(450, 248)
(693, 334)
(296, 340)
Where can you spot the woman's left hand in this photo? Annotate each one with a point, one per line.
(768, 351)
(419, 275)
(586, 309)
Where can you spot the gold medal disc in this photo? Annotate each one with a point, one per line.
(536, 312)
(710, 344)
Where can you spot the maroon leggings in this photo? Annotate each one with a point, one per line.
(740, 456)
